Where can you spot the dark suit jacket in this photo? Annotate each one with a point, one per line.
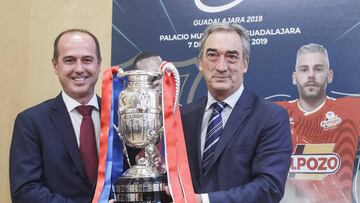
(252, 157)
(45, 161)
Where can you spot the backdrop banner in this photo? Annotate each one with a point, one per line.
(277, 29)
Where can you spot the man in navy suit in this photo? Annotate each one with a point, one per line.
(46, 164)
(250, 158)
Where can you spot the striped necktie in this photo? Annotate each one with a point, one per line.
(213, 133)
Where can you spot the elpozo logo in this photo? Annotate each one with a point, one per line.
(331, 120)
(315, 163)
(216, 9)
(306, 164)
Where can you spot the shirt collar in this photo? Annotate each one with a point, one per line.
(230, 100)
(306, 113)
(71, 103)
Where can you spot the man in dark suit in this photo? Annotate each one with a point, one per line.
(47, 158)
(238, 144)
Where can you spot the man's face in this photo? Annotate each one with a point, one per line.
(77, 65)
(222, 63)
(311, 75)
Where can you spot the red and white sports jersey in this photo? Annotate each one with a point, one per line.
(324, 163)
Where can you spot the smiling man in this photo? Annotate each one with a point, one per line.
(54, 149)
(238, 144)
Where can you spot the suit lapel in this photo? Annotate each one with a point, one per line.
(61, 120)
(237, 117)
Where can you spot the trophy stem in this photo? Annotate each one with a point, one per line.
(151, 151)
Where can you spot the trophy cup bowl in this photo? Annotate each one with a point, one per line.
(140, 126)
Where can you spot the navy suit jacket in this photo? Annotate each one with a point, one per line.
(252, 157)
(45, 161)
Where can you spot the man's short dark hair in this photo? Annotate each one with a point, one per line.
(56, 42)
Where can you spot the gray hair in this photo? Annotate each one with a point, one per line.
(227, 27)
(312, 48)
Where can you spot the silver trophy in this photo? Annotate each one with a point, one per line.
(140, 126)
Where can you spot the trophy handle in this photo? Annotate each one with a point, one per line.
(169, 68)
(123, 143)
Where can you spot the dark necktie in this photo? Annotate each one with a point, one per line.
(88, 149)
(213, 133)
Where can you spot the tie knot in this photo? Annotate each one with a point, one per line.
(84, 110)
(218, 107)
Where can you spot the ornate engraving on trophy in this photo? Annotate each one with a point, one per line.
(140, 126)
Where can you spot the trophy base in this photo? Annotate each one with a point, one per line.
(140, 171)
(144, 189)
